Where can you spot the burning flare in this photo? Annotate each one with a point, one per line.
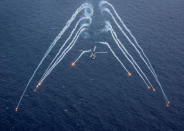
(73, 63)
(16, 109)
(129, 74)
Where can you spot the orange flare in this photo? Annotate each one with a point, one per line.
(129, 74)
(16, 109)
(39, 84)
(154, 90)
(73, 63)
(149, 87)
(168, 104)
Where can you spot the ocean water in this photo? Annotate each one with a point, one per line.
(94, 95)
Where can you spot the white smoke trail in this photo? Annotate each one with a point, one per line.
(128, 56)
(145, 59)
(114, 54)
(82, 53)
(83, 6)
(101, 52)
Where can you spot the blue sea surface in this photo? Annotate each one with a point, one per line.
(94, 95)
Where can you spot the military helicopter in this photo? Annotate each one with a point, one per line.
(93, 53)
